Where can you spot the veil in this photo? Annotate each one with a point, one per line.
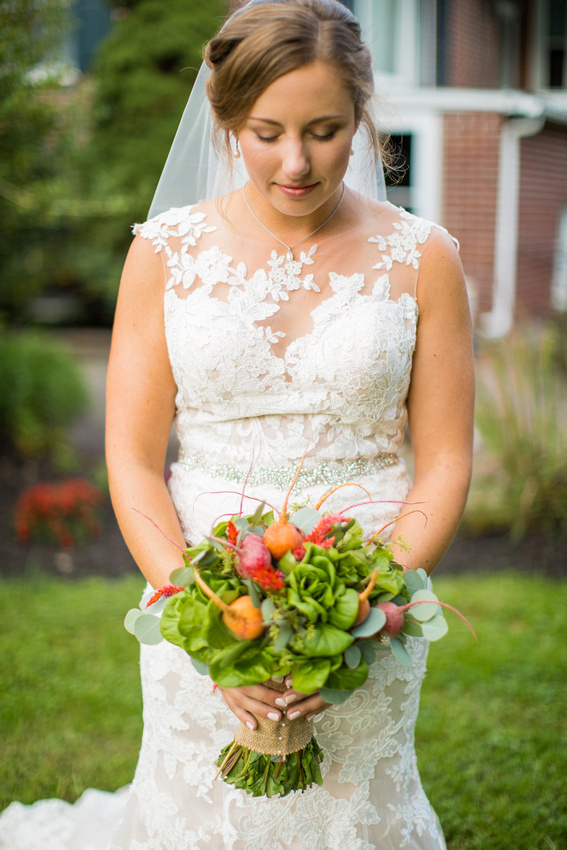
(195, 171)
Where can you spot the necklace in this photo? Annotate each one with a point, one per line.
(290, 248)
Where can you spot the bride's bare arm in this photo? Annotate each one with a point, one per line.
(140, 409)
(440, 407)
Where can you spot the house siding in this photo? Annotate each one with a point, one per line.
(543, 194)
(471, 154)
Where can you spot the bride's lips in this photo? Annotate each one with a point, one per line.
(296, 191)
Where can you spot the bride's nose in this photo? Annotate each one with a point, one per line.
(295, 162)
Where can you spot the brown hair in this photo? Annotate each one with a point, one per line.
(262, 42)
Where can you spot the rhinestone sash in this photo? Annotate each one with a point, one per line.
(331, 473)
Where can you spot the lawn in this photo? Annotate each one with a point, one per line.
(491, 738)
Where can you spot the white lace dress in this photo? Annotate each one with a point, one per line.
(271, 356)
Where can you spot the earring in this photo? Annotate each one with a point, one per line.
(352, 152)
(237, 151)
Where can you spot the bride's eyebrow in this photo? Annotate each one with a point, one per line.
(320, 120)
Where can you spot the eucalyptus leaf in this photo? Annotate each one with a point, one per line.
(412, 629)
(375, 621)
(352, 655)
(253, 592)
(421, 572)
(130, 619)
(334, 696)
(436, 628)
(414, 581)
(268, 609)
(216, 543)
(257, 517)
(400, 653)
(147, 629)
(200, 667)
(284, 635)
(183, 577)
(425, 611)
(241, 522)
(306, 519)
(368, 650)
(207, 557)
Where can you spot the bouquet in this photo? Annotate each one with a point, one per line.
(265, 598)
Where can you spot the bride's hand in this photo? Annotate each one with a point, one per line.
(247, 702)
(297, 704)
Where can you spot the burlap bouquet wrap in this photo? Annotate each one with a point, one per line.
(281, 737)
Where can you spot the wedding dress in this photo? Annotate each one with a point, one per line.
(272, 356)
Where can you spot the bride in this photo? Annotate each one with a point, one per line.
(276, 312)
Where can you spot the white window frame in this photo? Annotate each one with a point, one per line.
(406, 64)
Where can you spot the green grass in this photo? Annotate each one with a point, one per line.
(491, 737)
(492, 733)
(70, 701)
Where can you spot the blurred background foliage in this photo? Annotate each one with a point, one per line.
(79, 163)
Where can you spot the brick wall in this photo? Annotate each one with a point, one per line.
(472, 44)
(543, 193)
(470, 186)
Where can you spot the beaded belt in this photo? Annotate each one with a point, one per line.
(329, 473)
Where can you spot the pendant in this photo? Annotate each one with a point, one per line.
(289, 256)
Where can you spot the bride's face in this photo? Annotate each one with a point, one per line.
(296, 140)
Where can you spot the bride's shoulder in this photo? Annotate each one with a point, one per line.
(187, 223)
(387, 221)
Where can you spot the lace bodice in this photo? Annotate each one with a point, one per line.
(320, 347)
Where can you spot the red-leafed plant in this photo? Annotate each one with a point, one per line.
(65, 512)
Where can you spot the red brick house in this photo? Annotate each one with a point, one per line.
(478, 91)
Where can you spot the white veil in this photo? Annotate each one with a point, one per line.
(195, 171)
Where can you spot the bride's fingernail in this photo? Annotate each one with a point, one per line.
(281, 702)
(294, 714)
(250, 725)
(278, 679)
(273, 716)
(288, 682)
(290, 698)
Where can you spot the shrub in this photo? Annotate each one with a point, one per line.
(41, 391)
(63, 513)
(521, 407)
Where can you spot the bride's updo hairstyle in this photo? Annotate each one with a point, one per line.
(263, 41)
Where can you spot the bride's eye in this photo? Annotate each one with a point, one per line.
(266, 138)
(324, 137)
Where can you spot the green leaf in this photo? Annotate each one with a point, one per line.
(347, 679)
(183, 577)
(147, 629)
(287, 563)
(375, 621)
(207, 557)
(253, 593)
(423, 575)
(352, 656)
(345, 610)
(400, 653)
(268, 608)
(216, 634)
(425, 611)
(246, 663)
(436, 628)
(310, 675)
(257, 516)
(326, 640)
(200, 666)
(334, 696)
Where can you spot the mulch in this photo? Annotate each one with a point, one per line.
(108, 556)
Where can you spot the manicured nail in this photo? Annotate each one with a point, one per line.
(273, 716)
(278, 679)
(290, 698)
(281, 702)
(288, 681)
(294, 714)
(250, 725)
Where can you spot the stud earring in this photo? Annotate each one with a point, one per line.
(237, 151)
(352, 152)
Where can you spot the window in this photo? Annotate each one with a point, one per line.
(391, 29)
(399, 181)
(550, 45)
(559, 280)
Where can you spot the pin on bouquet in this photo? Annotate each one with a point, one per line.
(264, 599)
